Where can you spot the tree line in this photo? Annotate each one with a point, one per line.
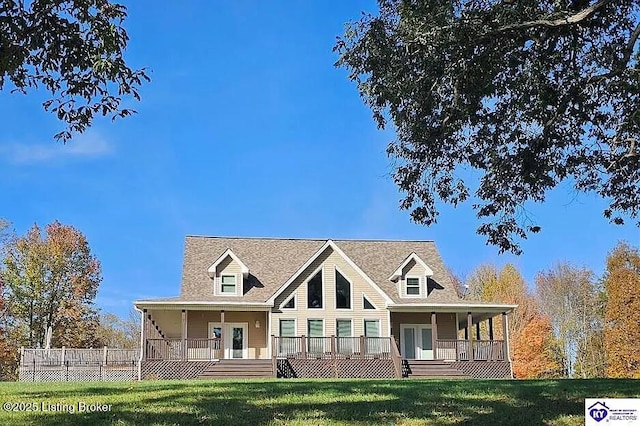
(49, 280)
(571, 324)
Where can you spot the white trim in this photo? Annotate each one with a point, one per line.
(324, 326)
(452, 307)
(324, 288)
(364, 296)
(345, 319)
(417, 340)
(143, 343)
(337, 249)
(351, 290)
(294, 296)
(269, 334)
(243, 268)
(204, 305)
(413, 256)
(390, 329)
(364, 326)
(228, 337)
(405, 285)
(295, 326)
(218, 287)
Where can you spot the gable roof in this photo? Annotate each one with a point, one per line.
(334, 247)
(413, 256)
(228, 253)
(272, 262)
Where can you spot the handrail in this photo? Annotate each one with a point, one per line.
(459, 350)
(397, 360)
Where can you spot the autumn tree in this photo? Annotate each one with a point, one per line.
(573, 301)
(74, 50)
(51, 281)
(534, 351)
(622, 316)
(499, 102)
(488, 284)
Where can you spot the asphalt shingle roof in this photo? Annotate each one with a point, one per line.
(273, 261)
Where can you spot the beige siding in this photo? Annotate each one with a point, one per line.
(328, 262)
(229, 267)
(446, 323)
(198, 327)
(413, 269)
(169, 322)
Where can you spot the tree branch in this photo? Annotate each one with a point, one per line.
(569, 20)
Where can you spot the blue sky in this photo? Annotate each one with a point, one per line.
(246, 129)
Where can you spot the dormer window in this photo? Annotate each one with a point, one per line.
(228, 284)
(290, 304)
(413, 286)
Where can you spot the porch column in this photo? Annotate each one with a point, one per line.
(145, 334)
(505, 333)
(183, 334)
(222, 332)
(434, 335)
(490, 328)
(470, 334)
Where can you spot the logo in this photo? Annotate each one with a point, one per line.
(598, 411)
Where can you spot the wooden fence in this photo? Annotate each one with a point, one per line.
(66, 364)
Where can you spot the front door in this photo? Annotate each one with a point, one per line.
(415, 341)
(235, 339)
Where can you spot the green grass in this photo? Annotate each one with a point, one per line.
(315, 402)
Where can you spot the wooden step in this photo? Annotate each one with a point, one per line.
(239, 368)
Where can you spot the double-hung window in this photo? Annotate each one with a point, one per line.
(228, 284)
(413, 286)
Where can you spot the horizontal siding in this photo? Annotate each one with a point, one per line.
(413, 269)
(229, 267)
(359, 286)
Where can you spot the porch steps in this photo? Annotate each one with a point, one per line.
(423, 369)
(239, 369)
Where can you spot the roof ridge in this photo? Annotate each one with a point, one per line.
(372, 240)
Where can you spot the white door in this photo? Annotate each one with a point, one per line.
(415, 341)
(235, 339)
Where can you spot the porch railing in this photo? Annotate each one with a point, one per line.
(169, 349)
(304, 347)
(459, 350)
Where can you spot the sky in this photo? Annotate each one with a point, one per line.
(247, 129)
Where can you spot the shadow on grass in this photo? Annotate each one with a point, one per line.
(472, 402)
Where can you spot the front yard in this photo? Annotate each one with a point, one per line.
(307, 402)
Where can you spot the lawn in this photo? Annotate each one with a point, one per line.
(310, 402)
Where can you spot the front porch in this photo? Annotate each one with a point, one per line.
(204, 335)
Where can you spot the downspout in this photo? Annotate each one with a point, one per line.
(141, 342)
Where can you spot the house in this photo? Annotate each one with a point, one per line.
(319, 308)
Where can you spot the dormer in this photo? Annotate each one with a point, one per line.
(411, 277)
(228, 273)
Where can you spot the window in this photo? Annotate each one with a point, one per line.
(413, 286)
(366, 304)
(343, 328)
(343, 292)
(315, 329)
(371, 332)
(290, 304)
(287, 328)
(228, 284)
(288, 343)
(343, 332)
(314, 291)
(372, 328)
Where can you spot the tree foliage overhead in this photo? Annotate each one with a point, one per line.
(74, 50)
(526, 94)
